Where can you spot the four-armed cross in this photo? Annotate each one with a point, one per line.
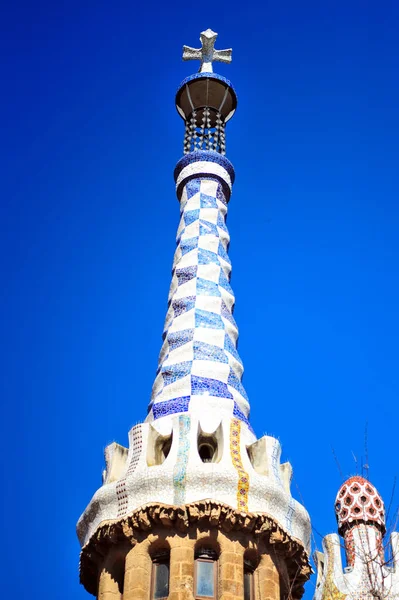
(207, 53)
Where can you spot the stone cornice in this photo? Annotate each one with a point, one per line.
(206, 513)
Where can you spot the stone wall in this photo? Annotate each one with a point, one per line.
(270, 577)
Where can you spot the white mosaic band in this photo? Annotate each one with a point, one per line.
(203, 169)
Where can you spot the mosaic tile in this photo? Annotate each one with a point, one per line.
(221, 223)
(192, 187)
(190, 216)
(203, 351)
(182, 305)
(236, 384)
(179, 338)
(171, 373)
(207, 288)
(180, 468)
(120, 488)
(204, 318)
(224, 282)
(223, 253)
(243, 477)
(240, 415)
(230, 347)
(207, 201)
(206, 257)
(209, 386)
(207, 228)
(170, 407)
(188, 245)
(200, 156)
(184, 275)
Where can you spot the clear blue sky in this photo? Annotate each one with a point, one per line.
(90, 137)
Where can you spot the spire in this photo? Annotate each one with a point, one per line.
(199, 367)
(195, 462)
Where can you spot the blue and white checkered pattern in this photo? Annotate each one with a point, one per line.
(199, 355)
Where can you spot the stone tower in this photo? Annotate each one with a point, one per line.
(197, 507)
(370, 573)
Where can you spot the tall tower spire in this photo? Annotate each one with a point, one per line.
(199, 367)
(197, 506)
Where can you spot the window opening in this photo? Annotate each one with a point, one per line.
(248, 585)
(166, 447)
(158, 447)
(160, 575)
(250, 565)
(205, 576)
(207, 447)
(206, 452)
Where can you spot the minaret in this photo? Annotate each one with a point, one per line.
(197, 506)
(368, 574)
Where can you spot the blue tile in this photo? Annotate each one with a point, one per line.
(188, 245)
(221, 223)
(224, 282)
(240, 415)
(182, 305)
(226, 313)
(207, 288)
(223, 253)
(203, 351)
(220, 195)
(204, 318)
(230, 347)
(172, 373)
(184, 275)
(179, 338)
(168, 407)
(207, 201)
(213, 387)
(206, 257)
(236, 384)
(190, 216)
(207, 228)
(192, 187)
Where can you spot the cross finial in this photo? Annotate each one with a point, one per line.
(207, 53)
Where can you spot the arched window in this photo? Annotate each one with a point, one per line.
(158, 447)
(205, 574)
(210, 445)
(251, 561)
(208, 448)
(160, 575)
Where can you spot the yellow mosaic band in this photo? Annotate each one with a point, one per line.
(243, 478)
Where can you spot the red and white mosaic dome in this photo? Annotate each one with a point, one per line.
(358, 500)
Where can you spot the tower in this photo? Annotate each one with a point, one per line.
(197, 507)
(369, 573)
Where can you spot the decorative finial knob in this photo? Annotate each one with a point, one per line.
(207, 53)
(358, 501)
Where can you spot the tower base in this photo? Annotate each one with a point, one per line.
(117, 563)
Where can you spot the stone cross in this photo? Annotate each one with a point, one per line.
(207, 53)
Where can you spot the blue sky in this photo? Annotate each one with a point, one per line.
(89, 215)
